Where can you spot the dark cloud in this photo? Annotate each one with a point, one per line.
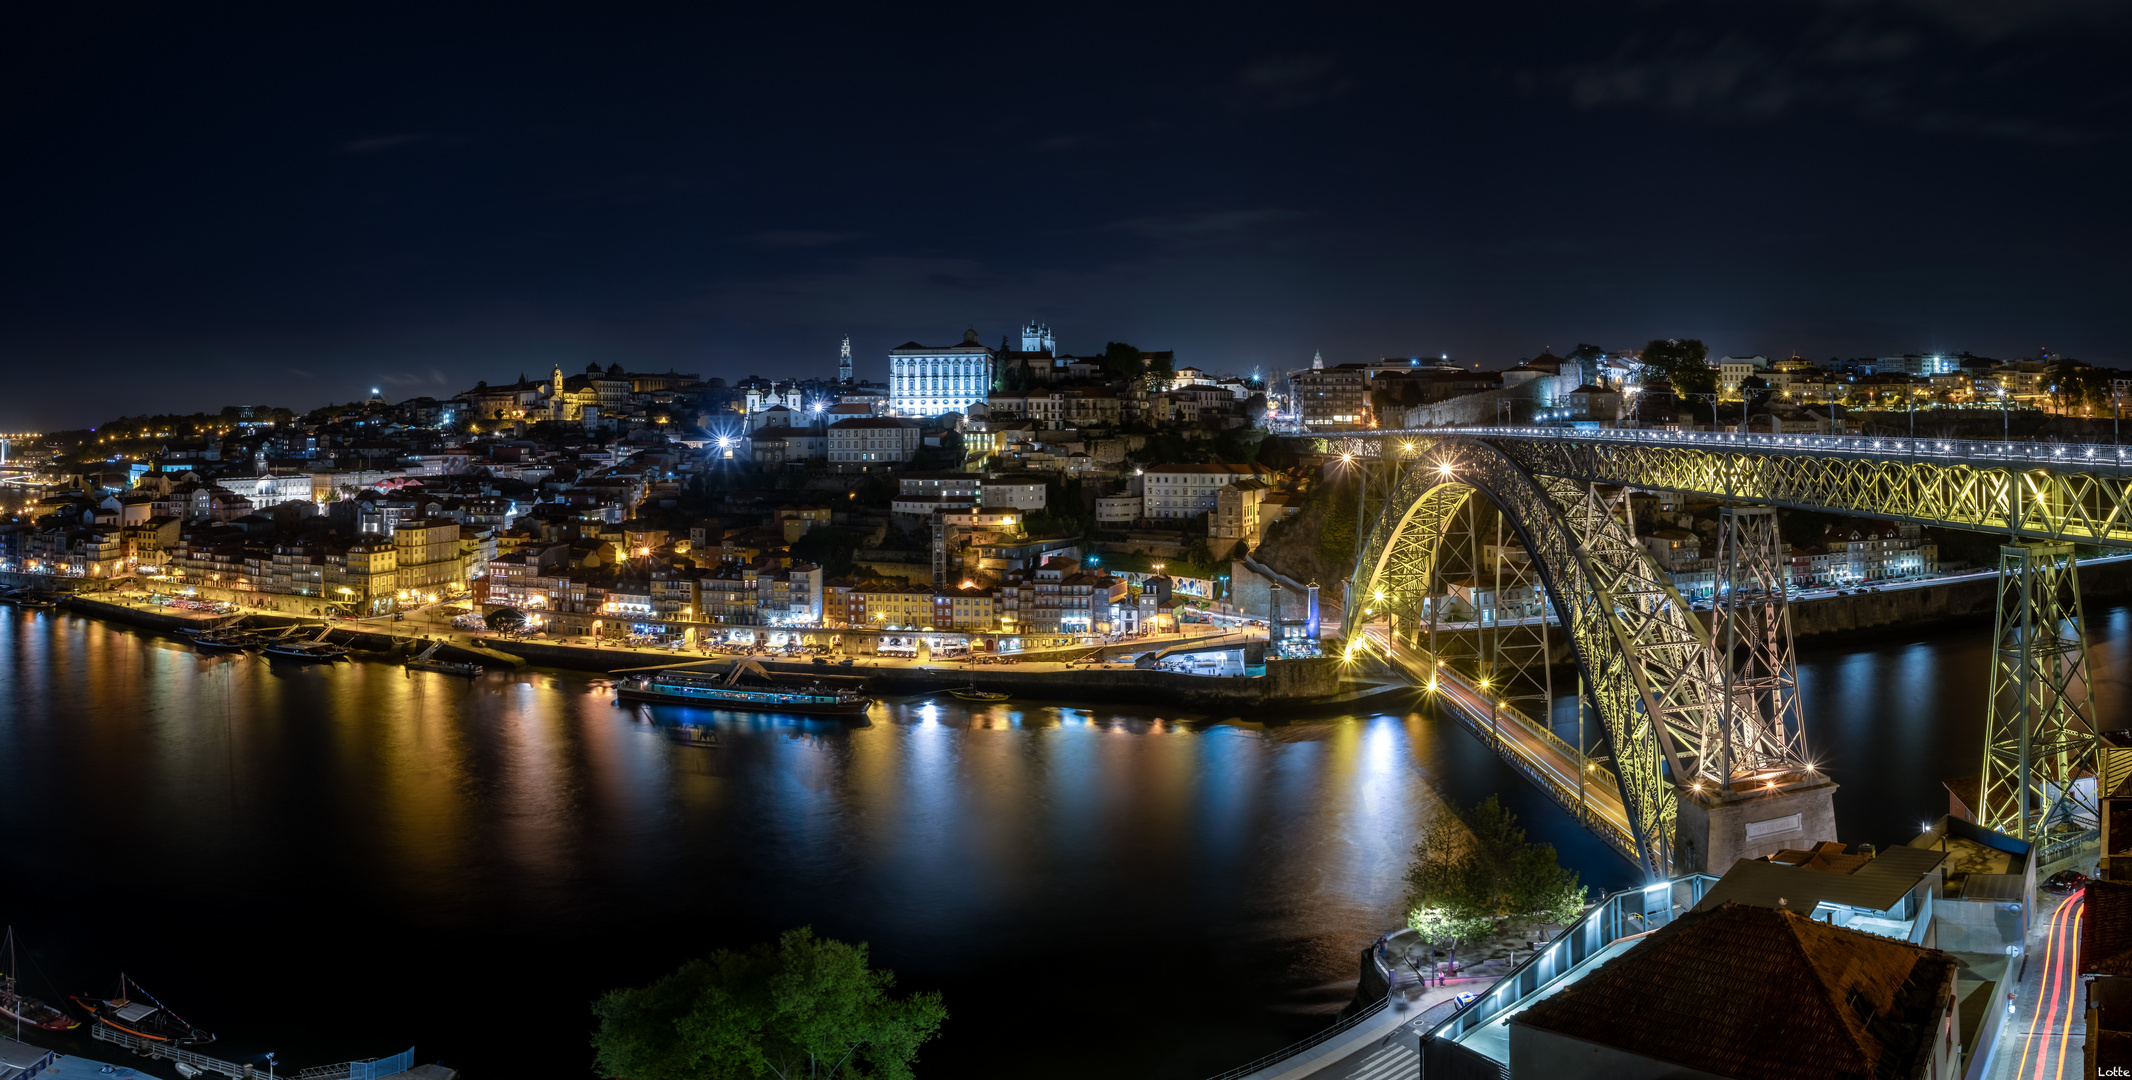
(1927, 69)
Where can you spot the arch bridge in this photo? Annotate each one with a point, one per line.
(1699, 719)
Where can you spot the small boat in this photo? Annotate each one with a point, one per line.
(35, 601)
(229, 639)
(971, 693)
(16, 1005)
(145, 1018)
(306, 651)
(680, 686)
(447, 667)
(426, 660)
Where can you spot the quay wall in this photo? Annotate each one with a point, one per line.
(1286, 682)
(1966, 599)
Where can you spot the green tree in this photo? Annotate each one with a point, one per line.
(806, 1007)
(1682, 362)
(1123, 360)
(1475, 873)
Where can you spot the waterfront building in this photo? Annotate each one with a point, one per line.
(926, 380)
(428, 555)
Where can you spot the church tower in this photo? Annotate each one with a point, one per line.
(1317, 361)
(844, 362)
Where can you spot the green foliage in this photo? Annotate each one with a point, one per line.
(1477, 873)
(805, 1007)
(1123, 361)
(828, 547)
(1336, 538)
(1066, 511)
(1159, 367)
(1682, 363)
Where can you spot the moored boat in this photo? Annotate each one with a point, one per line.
(446, 667)
(229, 639)
(681, 686)
(426, 660)
(971, 693)
(136, 1012)
(16, 1005)
(306, 651)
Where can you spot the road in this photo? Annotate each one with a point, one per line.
(1533, 748)
(2043, 1039)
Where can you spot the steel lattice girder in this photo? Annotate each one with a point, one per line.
(2056, 502)
(1649, 666)
(1754, 622)
(2041, 733)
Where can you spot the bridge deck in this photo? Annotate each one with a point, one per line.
(1990, 453)
(1530, 748)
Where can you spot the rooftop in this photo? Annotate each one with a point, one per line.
(1854, 1003)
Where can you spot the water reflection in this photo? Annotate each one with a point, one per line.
(1178, 891)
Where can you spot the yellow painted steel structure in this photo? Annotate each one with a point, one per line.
(1650, 667)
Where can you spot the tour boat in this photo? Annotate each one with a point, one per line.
(146, 1018)
(16, 1005)
(971, 693)
(680, 686)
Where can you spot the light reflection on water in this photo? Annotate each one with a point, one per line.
(462, 865)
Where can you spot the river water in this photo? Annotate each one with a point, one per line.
(339, 862)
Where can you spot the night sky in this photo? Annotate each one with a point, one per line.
(289, 207)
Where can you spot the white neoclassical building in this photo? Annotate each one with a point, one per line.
(925, 380)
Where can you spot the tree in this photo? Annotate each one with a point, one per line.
(806, 1007)
(1123, 361)
(1684, 363)
(1475, 873)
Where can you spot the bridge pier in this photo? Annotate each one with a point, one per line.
(2040, 737)
(1719, 828)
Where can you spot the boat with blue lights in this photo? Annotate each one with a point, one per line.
(724, 690)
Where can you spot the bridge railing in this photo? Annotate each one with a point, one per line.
(2116, 458)
(1625, 914)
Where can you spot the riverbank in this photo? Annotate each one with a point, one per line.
(1287, 683)
(1938, 602)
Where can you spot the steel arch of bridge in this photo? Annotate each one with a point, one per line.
(1650, 669)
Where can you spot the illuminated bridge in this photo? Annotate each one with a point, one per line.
(1698, 718)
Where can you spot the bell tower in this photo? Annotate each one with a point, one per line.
(844, 362)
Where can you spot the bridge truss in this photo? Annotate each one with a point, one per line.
(2041, 737)
(1651, 669)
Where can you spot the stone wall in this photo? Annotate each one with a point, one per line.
(1286, 681)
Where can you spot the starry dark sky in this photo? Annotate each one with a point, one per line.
(289, 206)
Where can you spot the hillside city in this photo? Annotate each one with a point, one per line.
(1014, 492)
